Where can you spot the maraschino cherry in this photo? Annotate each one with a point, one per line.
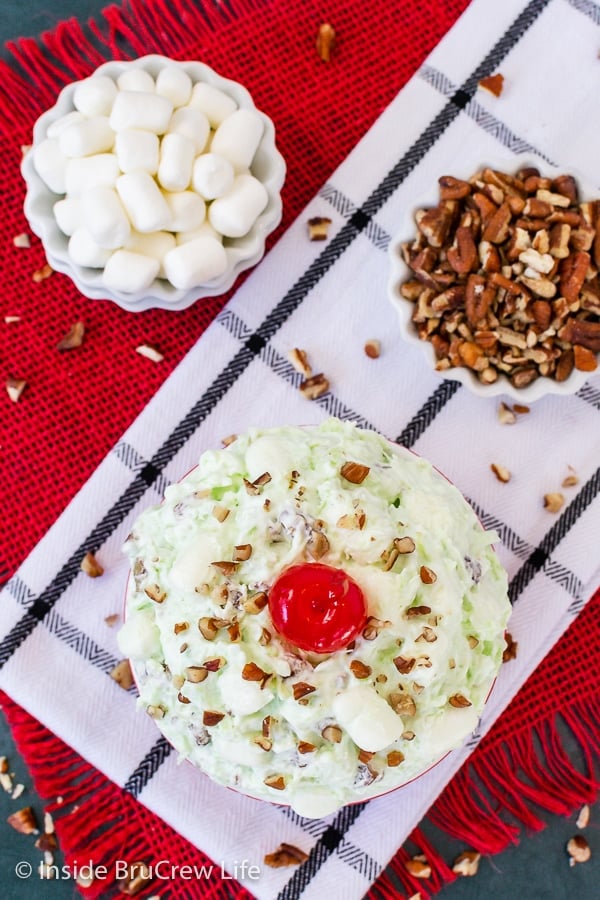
(317, 607)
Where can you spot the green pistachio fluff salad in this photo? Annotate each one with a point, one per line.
(243, 701)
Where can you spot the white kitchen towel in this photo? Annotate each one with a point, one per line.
(56, 650)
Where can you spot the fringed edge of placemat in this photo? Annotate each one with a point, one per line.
(97, 823)
(38, 68)
(485, 807)
(495, 795)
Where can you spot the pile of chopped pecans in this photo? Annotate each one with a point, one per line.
(505, 276)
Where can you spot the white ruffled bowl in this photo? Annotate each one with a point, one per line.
(268, 166)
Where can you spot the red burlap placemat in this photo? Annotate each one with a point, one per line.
(76, 404)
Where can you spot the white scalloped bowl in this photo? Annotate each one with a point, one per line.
(400, 272)
(268, 166)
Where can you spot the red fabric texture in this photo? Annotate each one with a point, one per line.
(77, 403)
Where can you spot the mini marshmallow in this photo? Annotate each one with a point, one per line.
(215, 105)
(238, 137)
(212, 175)
(130, 272)
(367, 717)
(51, 165)
(132, 79)
(55, 128)
(137, 150)
(234, 214)
(187, 209)
(84, 251)
(192, 124)
(93, 135)
(195, 262)
(95, 96)
(105, 217)
(156, 245)
(175, 164)
(204, 230)
(100, 170)
(68, 214)
(141, 109)
(143, 201)
(174, 84)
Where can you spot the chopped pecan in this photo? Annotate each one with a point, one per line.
(150, 352)
(332, 733)
(15, 387)
(496, 230)
(43, 273)
(299, 360)
(578, 849)
(573, 272)
(493, 83)
(479, 296)
(196, 674)
(122, 674)
(255, 602)
(306, 747)
(418, 867)
(394, 758)
(466, 863)
(359, 669)
(277, 782)
(73, 338)
(314, 387)
(317, 545)
(583, 332)
(155, 592)
(510, 651)
(462, 255)
(486, 208)
(565, 365)
(522, 377)
(554, 502)
(373, 349)
(301, 689)
(459, 701)
(326, 41)
(354, 472)
(211, 717)
(318, 228)
(585, 360)
(453, 188)
(436, 223)
(285, 855)
(252, 672)
(23, 821)
(91, 566)
(226, 566)
(404, 544)
(566, 185)
(404, 664)
(583, 819)
(137, 876)
(471, 355)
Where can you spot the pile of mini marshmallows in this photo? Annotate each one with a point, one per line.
(155, 174)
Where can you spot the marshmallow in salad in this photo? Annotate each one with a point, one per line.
(278, 707)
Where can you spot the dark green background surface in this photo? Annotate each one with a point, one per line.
(536, 869)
